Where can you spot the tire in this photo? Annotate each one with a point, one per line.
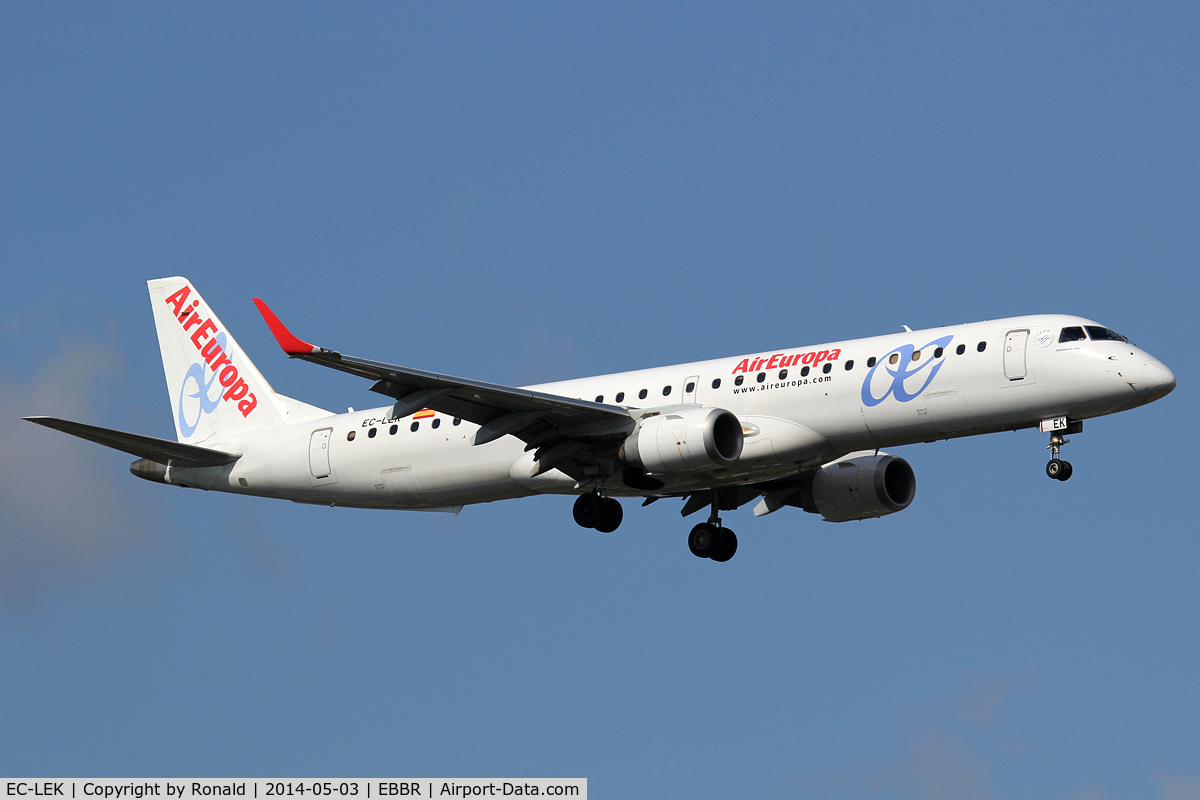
(587, 510)
(726, 545)
(702, 540)
(610, 517)
(1054, 468)
(1066, 471)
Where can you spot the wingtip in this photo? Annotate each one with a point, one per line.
(291, 345)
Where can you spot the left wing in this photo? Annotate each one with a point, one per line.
(567, 433)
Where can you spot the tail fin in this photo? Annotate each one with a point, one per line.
(215, 389)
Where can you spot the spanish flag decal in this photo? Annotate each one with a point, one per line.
(424, 413)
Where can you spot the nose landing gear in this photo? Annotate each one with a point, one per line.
(1055, 468)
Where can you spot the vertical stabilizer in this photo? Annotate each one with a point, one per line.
(215, 389)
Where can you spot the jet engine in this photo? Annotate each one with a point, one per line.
(691, 439)
(858, 487)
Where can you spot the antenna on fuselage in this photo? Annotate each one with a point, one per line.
(908, 329)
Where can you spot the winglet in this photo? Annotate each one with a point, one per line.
(287, 340)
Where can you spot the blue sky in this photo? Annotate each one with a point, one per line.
(536, 192)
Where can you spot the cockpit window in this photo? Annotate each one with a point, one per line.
(1072, 334)
(1099, 334)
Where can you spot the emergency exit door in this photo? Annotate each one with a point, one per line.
(1014, 354)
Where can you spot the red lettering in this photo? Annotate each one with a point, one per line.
(743, 366)
(194, 319)
(202, 332)
(179, 298)
(821, 356)
(834, 355)
(788, 361)
(210, 351)
(228, 376)
(237, 391)
(807, 358)
(247, 405)
(224, 359)
(774, 362)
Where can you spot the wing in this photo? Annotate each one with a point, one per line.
(163, 451)
(565, 432)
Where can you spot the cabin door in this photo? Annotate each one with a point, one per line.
(318, 453)
(1014, 354)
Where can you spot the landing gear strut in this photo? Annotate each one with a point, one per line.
(602, 513)
(710, 540)
(1057, 469)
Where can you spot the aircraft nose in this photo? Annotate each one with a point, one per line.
(1160, 381)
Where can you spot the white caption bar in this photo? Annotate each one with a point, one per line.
(358, 788)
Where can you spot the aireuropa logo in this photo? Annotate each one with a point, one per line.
(204, 402)
(211, 343)
(904, 367)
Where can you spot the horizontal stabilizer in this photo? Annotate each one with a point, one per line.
(160, 450)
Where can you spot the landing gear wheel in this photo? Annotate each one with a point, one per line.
(1064, 473)
(610, 516)
(726, 545)
(1055, 469)
(588, 509)
(702, 541)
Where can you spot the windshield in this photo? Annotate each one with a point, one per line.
(1099, 334)
(1072, 334)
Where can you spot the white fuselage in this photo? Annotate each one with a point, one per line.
(798, 408)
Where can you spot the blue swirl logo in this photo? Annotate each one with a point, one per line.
(207, 404)
(905, 370)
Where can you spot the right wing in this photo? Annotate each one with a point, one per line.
(163, 451)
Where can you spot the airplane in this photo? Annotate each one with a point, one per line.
(801, 427)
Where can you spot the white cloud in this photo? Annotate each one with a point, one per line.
(1178, 787)
(61, 503)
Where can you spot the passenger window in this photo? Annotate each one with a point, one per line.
(456, 421)
(691, 387)
(738, 380)
(414, 427)
(827, 368)
(871, 361)
(783, 374)
(350, 436)
(1072, 334)
(716, 383)
(916, 355)
(599, 398)
(849, 365)
(620, 397)
(1099, 334)
(962, 348)
(392, 430)
(762, 376)
(804, 372)
(666, 390)
(371, 433)
(938, 353)
(894, 358)
(642, 394)
(436, 423)
(981, 346)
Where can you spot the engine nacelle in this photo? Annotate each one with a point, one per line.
(862, 487)
(686, 440)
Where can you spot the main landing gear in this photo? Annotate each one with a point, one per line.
(1056, 468)
(710, 540)
(602, 513)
